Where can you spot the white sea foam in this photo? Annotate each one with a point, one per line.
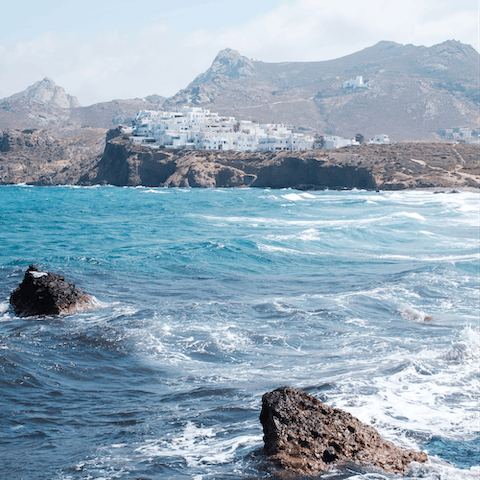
(414, 215)
(292, 196)
(162, 192)
(412, 314)
(305, 236)
(437, 469)
(4, 316)
(229, 339)
(3, 307)
(275, 249)
(198, 446)
(311, 223)
(432, 258)
(436, 393)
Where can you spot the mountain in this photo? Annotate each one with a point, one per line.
(45, 104)
(408, 93)
(47, 93)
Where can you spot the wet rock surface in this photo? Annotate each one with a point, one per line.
(46, 293)
(306, 437)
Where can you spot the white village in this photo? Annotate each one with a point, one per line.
(196, 128)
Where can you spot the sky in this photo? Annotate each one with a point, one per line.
(103, 50)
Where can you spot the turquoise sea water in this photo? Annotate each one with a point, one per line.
(210, 298)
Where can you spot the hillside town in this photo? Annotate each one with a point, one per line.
(199, 129)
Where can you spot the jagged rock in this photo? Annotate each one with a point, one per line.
(46, 293)
(305, 437)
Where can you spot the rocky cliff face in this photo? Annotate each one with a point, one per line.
(80, 156)
(412, 91)
(389, 167)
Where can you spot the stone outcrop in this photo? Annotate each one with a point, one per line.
(46, 293)
(306, 437)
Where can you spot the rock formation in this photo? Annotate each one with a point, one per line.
(306, 437)
(46, 293)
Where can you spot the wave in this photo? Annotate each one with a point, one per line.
(422, 395)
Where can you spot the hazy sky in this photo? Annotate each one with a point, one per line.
(101, 50)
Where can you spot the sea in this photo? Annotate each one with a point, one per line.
(209, 298)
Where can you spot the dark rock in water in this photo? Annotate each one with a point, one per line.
(46, 293)
(305, 437)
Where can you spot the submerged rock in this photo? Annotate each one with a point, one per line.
(306, 437)
(46, 293)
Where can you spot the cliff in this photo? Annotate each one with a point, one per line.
(386, 167)
(84, 156)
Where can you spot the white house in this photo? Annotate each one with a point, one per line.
(339, 142)
(355, 83)
(381, 139)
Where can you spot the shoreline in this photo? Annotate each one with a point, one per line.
(94, 157)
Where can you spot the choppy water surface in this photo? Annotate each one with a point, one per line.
(212, 298)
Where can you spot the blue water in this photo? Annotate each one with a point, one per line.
(210, 298)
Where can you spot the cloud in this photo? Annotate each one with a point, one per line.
(307, 30)
(111, 66)
(160, 59)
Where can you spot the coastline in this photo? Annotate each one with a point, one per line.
(81, 157)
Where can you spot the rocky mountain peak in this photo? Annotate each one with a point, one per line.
(228, 63)
(46, 92)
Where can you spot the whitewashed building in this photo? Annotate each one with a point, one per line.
(339, 142)
(200, 129)
(381, 139)
(356, 82)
